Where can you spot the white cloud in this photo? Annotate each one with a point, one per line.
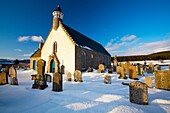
(32, 38)
(36, 38)
(128, 37)
(23, 38)
(19, 50)
(27, 55)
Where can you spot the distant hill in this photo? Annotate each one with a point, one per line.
(9, 61)
(164, 55)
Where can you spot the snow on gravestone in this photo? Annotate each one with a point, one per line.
(78, 76)
(138, 93)
(13, 75)
(107, 79)
(162, 79)
(3, 80)
(68, 76)
(57, 82)
(132, 72)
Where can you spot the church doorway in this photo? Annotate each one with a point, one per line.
(34, 64)
(52, 66)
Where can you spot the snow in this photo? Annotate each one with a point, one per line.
(90, 96)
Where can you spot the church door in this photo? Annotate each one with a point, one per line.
(34, 64)
(52, 66)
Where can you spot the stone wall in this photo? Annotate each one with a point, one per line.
(93, 58)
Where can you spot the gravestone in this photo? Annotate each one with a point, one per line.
(62, 69)
(148, 81)
(162, 79)
(3, 80)
(110, 70)
(101, 68)
(33, 77)
(107, 79)
(132, 73)
(118, 70)
(13, 75)
(7, 73)
(48, 77)
(90, 69)
(138, 93)
(57, 82)
(40, 82)
(151, 68)
(157, 67)
(139, 69)
(122, 74)
(127, 64)
(69, 76)
(78, 76)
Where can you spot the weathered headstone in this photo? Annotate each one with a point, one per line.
(118, 69)
(110, 70)
(107, 79)
(101, 68)
(78, 76)
(115, 61)
(138, 93)
(162, 79)
(122, 74)
(57, 82)
(148, 81)
(127, 64)
(48, 77)
(69, 76)
(90, 69)
(132, 73)
(3, 80)
(40, 82)
(157, 67)
(7, 73)
(151, 68)
(13, 75)
(139, 69)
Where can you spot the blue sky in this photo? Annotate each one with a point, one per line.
(123, 27)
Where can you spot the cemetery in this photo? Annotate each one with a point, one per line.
(90, 91)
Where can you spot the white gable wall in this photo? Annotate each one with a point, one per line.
(65, 49)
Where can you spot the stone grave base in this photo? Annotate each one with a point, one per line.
(134, 78)
(38, 84)
(122, 77)
(57, 87)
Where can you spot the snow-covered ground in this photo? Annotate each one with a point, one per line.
(90, 96)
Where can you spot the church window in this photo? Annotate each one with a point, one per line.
(92, 56)
(55, 47)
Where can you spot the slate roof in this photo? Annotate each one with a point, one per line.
(37, 53)
(83, 40)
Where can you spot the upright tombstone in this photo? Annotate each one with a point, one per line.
(162, 79)
(13, 75)
(122, 74)
(78, 76)
(157, 67)
(62, 69)
(110, 70)
(127, 64)
(138, 93)
(115, 61)
(151, 68)
(69, 76)
(101, 68)
(3, 80)
(57, 82)
(107, 79)
(132, 73)
(7, 73)
(40, 82)
(139, 69)
(118, 70)
(48, 77)
(148, 81)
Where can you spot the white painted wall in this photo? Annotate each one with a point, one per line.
(65, 49)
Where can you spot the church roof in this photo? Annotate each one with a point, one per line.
(84, 41)
(37, 53)
(58, 9)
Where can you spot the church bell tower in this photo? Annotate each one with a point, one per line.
(57, 17)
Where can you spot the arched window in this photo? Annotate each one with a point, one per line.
(83, 60)
(34, 64)
(55, 47)
(52, 66)
(92, 56)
